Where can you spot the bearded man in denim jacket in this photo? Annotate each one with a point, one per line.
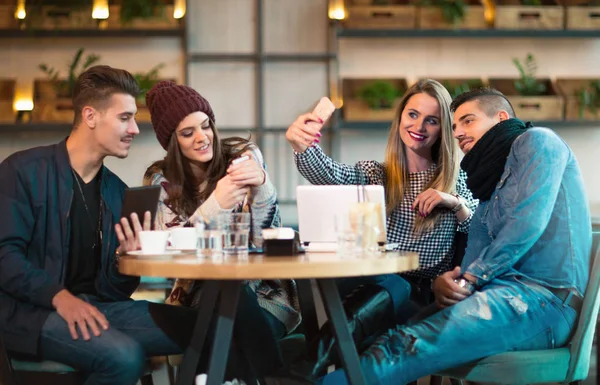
(527, 262)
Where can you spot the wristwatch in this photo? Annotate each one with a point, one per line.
(463, 282)
(459, 206)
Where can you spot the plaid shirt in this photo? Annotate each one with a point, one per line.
(436, 246)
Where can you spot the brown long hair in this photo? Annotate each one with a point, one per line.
(184, 187)
(444, 154)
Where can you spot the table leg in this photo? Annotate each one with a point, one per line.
(345, 343)
(309, 313)
(187, 371)
(230, 292)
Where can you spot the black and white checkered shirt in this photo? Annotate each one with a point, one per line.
(435, 247)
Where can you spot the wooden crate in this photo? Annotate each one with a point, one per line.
(48, 106)
(7, 17)
(54, 17)
(546, 107)
(432, 18)
(356, 110)
(583, 18)
(163, 20)
(568, 89)
(53, 111)
(535, 17)
(7, 95)
(382, 17)
(143, 113)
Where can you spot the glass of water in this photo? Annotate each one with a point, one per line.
(236, 231)
(210, 239)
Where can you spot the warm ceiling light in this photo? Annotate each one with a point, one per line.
(179, 9)
(100, 10)
(336, 10)
(20, 11)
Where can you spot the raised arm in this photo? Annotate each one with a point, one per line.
(316, 167)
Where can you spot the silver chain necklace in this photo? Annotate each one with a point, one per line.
(98, 230)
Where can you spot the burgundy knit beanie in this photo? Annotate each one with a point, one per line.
(169, 103)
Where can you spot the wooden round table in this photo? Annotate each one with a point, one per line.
(258, 266)
(224, 278)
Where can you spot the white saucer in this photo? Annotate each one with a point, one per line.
(140, 253)
(181, 250)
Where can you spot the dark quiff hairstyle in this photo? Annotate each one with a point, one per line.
(98, 84)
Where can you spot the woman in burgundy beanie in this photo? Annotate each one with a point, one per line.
(199, 182)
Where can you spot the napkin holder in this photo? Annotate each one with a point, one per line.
(281, 241)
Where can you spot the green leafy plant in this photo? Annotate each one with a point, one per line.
(532, 3)
(379, 94)
(147, 80)
(143, 9)
(456, 89)
(528, 85)
(64, 88)
(588, 98)
(453, 11)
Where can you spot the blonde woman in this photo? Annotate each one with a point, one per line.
(426, 195)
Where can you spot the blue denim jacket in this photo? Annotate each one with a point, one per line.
(537, 222)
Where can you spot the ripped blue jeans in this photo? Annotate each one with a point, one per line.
(505, 315)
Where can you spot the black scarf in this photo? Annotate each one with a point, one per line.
(484, 164)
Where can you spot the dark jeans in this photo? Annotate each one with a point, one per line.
(141, 329)
(118, 355)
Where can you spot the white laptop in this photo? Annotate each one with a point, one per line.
(318, 207)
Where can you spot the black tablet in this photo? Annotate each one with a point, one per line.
(139, 200)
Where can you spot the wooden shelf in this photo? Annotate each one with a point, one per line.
(385, 126)
(50, 127)
(485, 33)
(91, 33)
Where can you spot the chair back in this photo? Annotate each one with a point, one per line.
(581, 343)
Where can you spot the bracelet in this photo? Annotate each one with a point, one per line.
(459, 205)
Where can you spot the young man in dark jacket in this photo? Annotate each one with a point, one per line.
(61, 295)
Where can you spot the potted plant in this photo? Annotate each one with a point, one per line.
(372, 99)
(141, 14)
(55, 92)
(528, 84)
(458, 86)
(379, 94)
(146, 81)
(582, 97)
(588, 99)
(531, 97)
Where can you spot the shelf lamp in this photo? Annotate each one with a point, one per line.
(179, 9)
(100, 12)
(23, 107)
(336, 10)
(20, 12)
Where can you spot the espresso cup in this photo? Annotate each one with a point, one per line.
(153, 242)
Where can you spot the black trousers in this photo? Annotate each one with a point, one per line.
(254, 351)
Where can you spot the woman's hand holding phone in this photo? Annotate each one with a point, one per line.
(229, 193)
(306, 129)
(246, 171)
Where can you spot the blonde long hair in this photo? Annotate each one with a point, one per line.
(444, 154)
